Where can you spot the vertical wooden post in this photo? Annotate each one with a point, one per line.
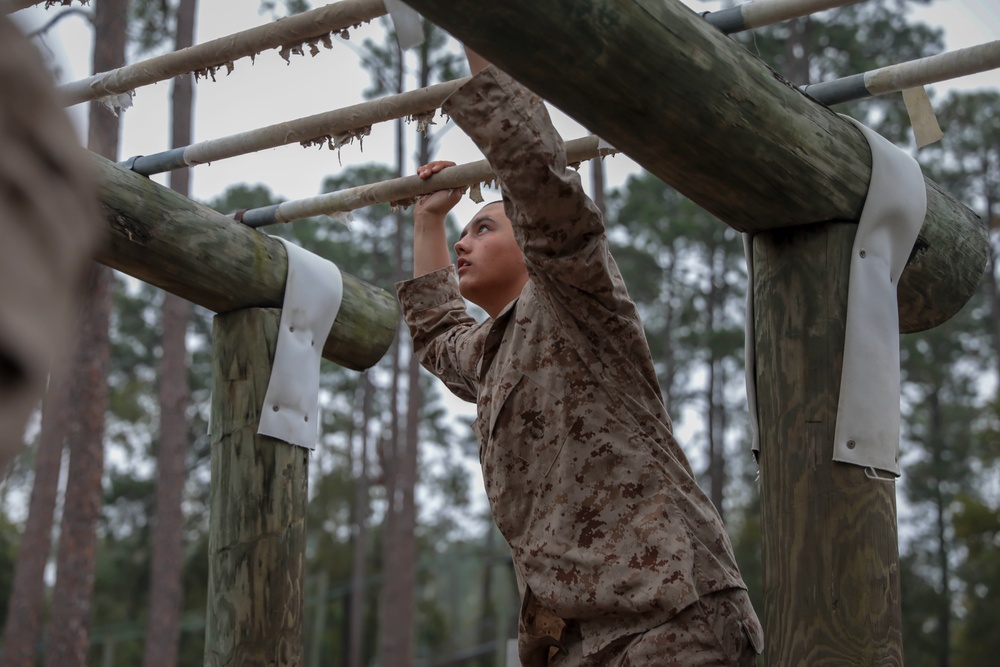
(830, 553)
(258, 501)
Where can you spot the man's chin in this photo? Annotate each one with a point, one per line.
(468, 293)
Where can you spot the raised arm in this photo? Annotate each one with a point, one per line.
(430, 242)
(558, 227)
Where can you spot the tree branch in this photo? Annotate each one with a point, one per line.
(89, 16)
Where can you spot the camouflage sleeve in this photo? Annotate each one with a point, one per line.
(559, 228)
(446, 339)
(49, 225)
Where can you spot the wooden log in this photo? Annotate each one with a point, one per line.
(830, 555)
(330, 127)
(257, 538)
(401, 191)
(210, 259)
(296, 31)
(713, 121)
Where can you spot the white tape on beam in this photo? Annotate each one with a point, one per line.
(923, 120)
(313, 293)
(867, 429)
(867, 432)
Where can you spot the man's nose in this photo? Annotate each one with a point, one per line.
(460, 247)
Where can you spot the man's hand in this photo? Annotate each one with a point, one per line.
(430, 247)
(437, 204)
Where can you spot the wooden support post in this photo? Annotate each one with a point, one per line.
(830, 555)
(258, 503)
(167, 240)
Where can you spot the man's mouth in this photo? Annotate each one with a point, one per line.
(461, 264)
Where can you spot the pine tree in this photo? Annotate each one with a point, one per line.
(166, 595)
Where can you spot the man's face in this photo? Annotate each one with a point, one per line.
(490, 264)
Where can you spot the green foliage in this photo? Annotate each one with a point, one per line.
(845, 41)
(967, 159)
(10, 539)
(151, 24)
(686, 272)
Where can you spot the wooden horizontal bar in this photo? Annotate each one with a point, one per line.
(399, 191)
(349, 121)
(287, 32)
(911, 74)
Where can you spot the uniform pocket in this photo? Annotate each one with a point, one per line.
(530, 417)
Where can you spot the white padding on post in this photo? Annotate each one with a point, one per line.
(313, 292)
(867, 432)
(406, 21)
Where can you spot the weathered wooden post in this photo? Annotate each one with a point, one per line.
(831, 576)
(258, 503)
(725, 130)
(258, 492)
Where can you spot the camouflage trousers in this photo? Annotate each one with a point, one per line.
(719, 630)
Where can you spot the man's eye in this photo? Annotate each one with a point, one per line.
(482, 227)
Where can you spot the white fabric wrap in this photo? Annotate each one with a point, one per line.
(867, 432)
(313, 292)
(868, 406)
(406, 21)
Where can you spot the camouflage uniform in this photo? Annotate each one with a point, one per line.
(611, 536)
(49, 226)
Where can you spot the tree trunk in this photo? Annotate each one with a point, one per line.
(829, 543)
(797, 51)
(597, 184)
(69, 634)
(992, 288)
(396, 625)
(936, 442)
(27, 599)
(359, 546)
(166, 594)
(670, 371)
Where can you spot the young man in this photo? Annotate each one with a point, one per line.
(620, 558)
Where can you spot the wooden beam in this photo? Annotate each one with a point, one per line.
(291, 32)
(829, 543)
(401, 191)
(707, 117)
(256, 535)
(330, 127)
(188, 249)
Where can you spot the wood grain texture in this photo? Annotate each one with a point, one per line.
(703, 114)
(170, 241)
(258, 503)
(830, 553)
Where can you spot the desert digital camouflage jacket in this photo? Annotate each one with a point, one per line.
(586, 482)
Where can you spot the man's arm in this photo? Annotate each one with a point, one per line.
(446, 339)
(430, 243)
(559, 228)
